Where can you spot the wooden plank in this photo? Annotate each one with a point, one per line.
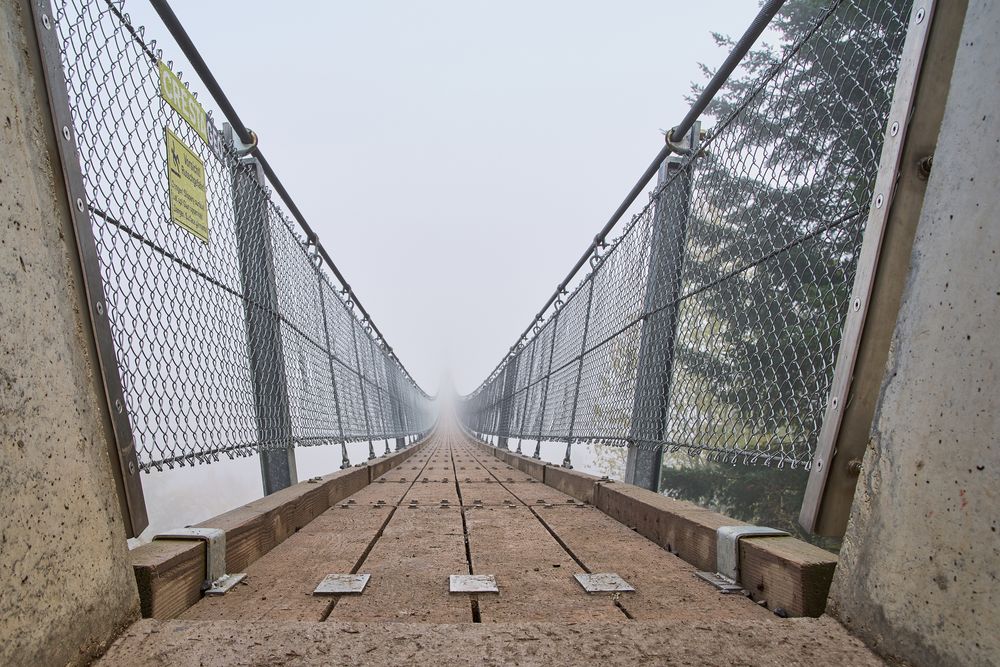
(787, 573)
(279, 586)
(389, 493)
(431, 493)
(536, 493)
(580, 485)
(170, 575)
(530, 466)
(534, 574)
(666, 587)
(784, 572)
(488, 493)
(679, 527)
(409, 566)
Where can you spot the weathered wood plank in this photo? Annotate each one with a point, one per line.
(784, 572)
(170, 573)
(666, 587)
(409, 566)
(534, 574)
(279, 585)
(580, 485)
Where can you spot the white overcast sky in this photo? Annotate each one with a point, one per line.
(455, 157)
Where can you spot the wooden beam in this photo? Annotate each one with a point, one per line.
(785, 572)
(169, 573)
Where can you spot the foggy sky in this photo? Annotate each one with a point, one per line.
(455, 157)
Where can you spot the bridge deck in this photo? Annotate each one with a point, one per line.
(450, 509)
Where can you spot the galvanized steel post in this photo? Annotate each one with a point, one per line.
(545, 389)
(506, 402)
(264, 349)
(656, 351)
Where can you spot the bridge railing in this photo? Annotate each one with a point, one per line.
(232, 332)
(711, 324)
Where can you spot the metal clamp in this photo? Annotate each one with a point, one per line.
(217, 582)
(727, 555)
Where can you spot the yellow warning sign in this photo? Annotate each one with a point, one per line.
(186, 184)
(173, 90)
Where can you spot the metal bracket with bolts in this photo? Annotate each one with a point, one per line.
(727, 559)
(217, 582)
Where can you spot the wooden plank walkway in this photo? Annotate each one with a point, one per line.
(451, 509)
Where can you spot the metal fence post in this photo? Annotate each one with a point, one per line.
(364, 394)
(260, 302)
(656, 350)
(345, 460)
(527, 391)
(579, 375)
(506, 402)
(396, 403)
(545, 389)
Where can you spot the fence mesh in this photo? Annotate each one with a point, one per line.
(227, 345)
(712, 323)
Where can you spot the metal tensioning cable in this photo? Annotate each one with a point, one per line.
(245, 135)
(740, 49)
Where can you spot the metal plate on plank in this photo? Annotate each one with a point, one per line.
(221, 585)
(472, 583)
(722, 583)
(342, 584)
(604, 582)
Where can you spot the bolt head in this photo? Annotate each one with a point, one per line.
(79, 204)
(879, 200)
(46, 21)
(65, 132)
(894, 129)
(921, 13)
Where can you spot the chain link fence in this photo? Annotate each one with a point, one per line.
(711, 324)
(230, 337)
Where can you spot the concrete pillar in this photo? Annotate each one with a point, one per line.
(65, 573)
(918, 575)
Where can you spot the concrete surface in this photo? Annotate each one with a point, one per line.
(806, 642)
(918, 575)
(66, 585)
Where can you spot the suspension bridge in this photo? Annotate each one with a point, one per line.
(802, 278)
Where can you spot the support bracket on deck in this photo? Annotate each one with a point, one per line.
(217, 582)
(727, 555)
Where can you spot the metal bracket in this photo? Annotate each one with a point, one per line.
(217, 582)
(727, 555)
